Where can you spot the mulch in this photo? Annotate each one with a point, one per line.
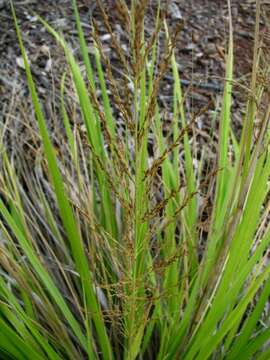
(200, 53)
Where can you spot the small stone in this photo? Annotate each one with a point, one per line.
(190, 47)
(210, 49)
(2, 4)
(20, 62)
(48, 66)
(105, 37)
(175, 12)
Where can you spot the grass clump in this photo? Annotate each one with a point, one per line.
(100, 244)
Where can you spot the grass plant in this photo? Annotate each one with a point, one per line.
(100, 254)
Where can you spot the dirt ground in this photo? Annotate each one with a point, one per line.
(200, 53)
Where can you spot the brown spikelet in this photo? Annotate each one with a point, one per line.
(121, 103)
(115, 43)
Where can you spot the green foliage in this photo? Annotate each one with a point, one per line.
(106, 264)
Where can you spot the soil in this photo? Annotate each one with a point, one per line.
(200, 53)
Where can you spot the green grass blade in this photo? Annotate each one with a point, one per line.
(66, 212)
